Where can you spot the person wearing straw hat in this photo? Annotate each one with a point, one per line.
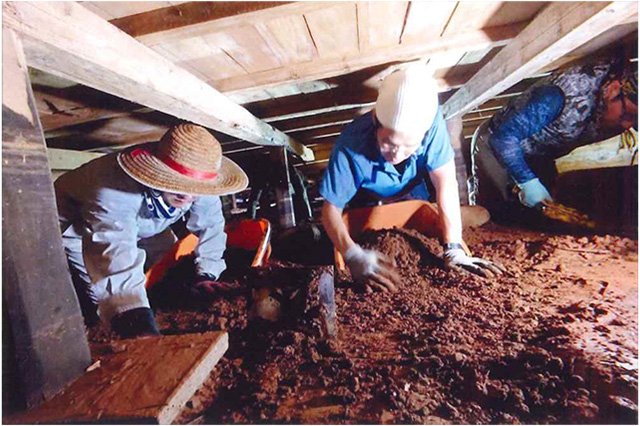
(384, 156)
(110, 206)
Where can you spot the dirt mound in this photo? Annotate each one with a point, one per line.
(552, 341)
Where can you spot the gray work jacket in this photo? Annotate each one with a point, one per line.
(103, 209)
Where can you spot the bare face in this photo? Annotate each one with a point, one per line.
(178, 200)
(619, 111)
(394, 146)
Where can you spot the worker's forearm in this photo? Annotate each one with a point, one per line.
(444, 180)
(335, 227)
(450, 220)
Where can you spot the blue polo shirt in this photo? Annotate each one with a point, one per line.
(356, 162)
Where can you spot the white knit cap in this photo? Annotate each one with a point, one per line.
(408, 101)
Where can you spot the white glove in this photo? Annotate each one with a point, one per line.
(457, 258)
(371, 269)
(533, 193)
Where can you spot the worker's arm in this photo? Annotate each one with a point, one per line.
(110, 251)
(522, 120)
(335, 227)
(206, 221)
(368, 268)
(446, 185)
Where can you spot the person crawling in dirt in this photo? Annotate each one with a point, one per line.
(384, 157)
(115, 213)
(574, 106)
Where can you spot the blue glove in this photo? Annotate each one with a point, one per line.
(533, 193)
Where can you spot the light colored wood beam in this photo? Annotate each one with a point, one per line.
(67, 159)
(67, 40)
(331, 67)
(618, 151)
(214, 24)
(185, 14)
(560, 28)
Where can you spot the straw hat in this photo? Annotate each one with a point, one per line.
(187, 160)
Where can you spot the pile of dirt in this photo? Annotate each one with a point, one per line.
(552, 341)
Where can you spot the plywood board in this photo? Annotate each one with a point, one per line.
(150, 381)
(334, 30)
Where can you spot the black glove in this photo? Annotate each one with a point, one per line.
(137, 322)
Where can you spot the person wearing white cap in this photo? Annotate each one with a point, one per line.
(110, 206)
(384, 156)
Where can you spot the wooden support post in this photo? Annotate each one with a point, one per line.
(461, 150)
(45, 327)
(284, 197)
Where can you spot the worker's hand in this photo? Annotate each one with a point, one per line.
(208, 285)
(533, 193)
(371, 269)
(457, 258)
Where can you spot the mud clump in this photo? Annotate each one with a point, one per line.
(543, 343)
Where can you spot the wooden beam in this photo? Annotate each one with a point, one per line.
(65, 39)
(186, 14)
(215, 25)
(557, 30)
(330, 67)
(618, 151)
(44, 335)
(66, 159)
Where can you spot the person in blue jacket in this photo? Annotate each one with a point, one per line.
(116, 210)
(574, 106)
(384, 156)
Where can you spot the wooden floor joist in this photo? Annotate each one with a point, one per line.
(560, 28)
(150, 381)
(67, 40)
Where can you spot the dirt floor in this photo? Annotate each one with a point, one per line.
(552, 341)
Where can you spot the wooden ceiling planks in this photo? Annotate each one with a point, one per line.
(246, 47)
(380, 23)
(427, 20)
(334, 30)
(117, 9)
(291, 38)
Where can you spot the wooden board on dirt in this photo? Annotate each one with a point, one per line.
(148, 382)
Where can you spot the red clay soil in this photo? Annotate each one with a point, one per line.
(552, 341)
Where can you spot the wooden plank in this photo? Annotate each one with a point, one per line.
(185, 14)
(66, 159)
(68, 40)
(150, 381)
(605, 154)
(118, 9)
(44, 336)
(471, 15)
(347, 63)
(245, 45)
(222, 24)
(427, 20)
(291, 38)
(380, 23)
(334, 30)
(557, 30)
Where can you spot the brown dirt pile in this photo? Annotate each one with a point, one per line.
(552, 341)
